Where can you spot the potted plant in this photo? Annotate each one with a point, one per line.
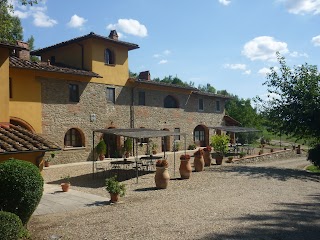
(176, 146)
(115, 188)
(101, 149)
(185, 166)
(242, 154)
(261, 151)
(162, 176)
(192, 147)
(154, 147)
(220, 146)
(230, 159)
(65, 185)
(127, 147)
(49, 159)
(207, 156)
(198, 160)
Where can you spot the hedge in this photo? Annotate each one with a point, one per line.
(11, 227)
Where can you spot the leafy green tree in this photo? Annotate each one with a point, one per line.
(10, 26)
(295, 108)
(207, 88)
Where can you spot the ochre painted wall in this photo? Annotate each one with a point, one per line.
(4, 85)
(116, 74)
(93, 59)
(26, 98)
(35, 157)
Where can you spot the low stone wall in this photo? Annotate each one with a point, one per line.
(282, 154)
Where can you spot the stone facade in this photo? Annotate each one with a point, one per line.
(60, 115)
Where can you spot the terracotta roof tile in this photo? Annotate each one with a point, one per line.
(130, 46)
(19, 63)
(17, 139)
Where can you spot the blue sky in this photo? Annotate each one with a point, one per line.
(230, 44)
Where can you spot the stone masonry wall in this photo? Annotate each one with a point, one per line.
(59, 115)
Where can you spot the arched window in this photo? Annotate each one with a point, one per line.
(170, 102)
(109, 57)
(73, 138)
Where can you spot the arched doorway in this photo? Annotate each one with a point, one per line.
(19, 122)
(165, 146)
(201, 135)
(113, 145)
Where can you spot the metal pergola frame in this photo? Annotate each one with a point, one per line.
(235, 129)
(136, 133)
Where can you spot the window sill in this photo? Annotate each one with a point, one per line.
(73, 148)
(111, 65)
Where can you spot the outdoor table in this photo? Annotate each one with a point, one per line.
(149, 160)
(121, 164)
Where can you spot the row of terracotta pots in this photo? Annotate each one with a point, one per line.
(162, 176)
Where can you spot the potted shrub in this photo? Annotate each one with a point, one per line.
(49, 159)
(207, 156)
(198, 160)
(230, 159)
(115, 188)
(101, 149)
(261, 151)
(162, 176)
(65, 185)
(185, 166)
(242, 154)
(127, 147)
(154, 147)
(192, 147)
(220, 146)
(176, 146)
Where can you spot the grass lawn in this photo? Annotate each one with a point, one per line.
(313, 168)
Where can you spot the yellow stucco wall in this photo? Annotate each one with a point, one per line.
(4, 85)
(35, 157)
(93, 59)
(116, 74)
(26, 98)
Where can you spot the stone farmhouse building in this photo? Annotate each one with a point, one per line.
(83, 84)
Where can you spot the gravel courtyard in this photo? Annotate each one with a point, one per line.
(270, 200)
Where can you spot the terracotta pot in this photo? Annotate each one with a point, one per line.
(219, 160)
(46, 164)
(198, 163)
(114, 197)
(162, 177)
(207, 158)
(65, 187)
(101, 157)
(185, 169)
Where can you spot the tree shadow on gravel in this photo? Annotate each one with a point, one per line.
(281, 174)
(291, 221)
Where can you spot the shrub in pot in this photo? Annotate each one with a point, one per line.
(198, 161)
(207, 156)
(115, 188)
(127, 147)
(185, 166)
(162, 176)
(101, 149)
(220, 146)
(65, 185)
(21, 188)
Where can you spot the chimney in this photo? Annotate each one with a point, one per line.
(113, 35)
(144, 75)
(25, 53)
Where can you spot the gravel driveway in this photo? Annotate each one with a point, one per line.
(243, 201)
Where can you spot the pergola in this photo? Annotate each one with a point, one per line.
(235, 129)
(136, 133)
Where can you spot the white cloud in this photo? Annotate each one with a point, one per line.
(225, 2)
(316, 41)
(235, 66)
(42, 20)
(166, 52)
(130, 26)
(38, 12)
(247, 72)
(163, 61)
(76, 21)
(264, 48)
(297, 54)
(265, 71)
(302, 6)
(156, 55)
